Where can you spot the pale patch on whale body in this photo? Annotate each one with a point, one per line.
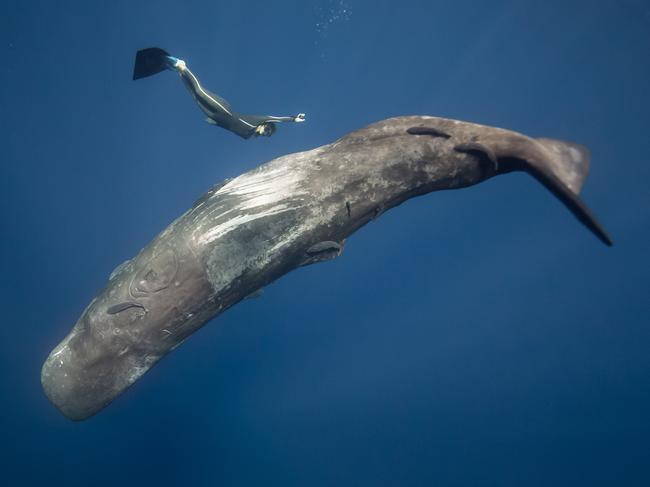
(229, 225)
(265, 188)
(273, 189)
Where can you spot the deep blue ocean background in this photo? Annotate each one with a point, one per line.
(480, 337)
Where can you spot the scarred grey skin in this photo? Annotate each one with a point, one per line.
(292, 211)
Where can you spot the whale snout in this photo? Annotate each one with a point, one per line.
(60, 380)
(93, 364)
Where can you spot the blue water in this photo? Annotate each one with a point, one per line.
(467, 338)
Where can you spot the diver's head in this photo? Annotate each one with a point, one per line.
(267, 129)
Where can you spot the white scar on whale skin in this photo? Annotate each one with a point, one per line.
(265, 188)
(272, 190)
(229, 225)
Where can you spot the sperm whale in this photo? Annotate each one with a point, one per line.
(295, 210)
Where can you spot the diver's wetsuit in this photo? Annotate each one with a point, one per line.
(218, 110)
(153, 60)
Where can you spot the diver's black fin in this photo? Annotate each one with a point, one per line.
(149, 61)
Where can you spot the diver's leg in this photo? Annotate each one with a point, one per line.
(211, 104)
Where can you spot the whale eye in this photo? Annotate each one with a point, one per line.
(156, 274)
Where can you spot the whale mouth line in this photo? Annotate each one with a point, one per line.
(118, 308)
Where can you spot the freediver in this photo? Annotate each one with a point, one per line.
(153, 60)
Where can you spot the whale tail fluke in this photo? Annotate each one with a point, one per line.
(568, 161)
(150, 61)
(563, 173)
(562, 168)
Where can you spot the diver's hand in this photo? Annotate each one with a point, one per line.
(299, 118)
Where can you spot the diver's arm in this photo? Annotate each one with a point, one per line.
(296, 118)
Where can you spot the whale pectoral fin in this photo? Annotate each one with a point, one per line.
(480, 149)
(325, 250)
(325, 246)
(255, 294)
(210, 121)
(424, 130)
(378, 211)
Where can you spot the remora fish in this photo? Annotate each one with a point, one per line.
(292, 211)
